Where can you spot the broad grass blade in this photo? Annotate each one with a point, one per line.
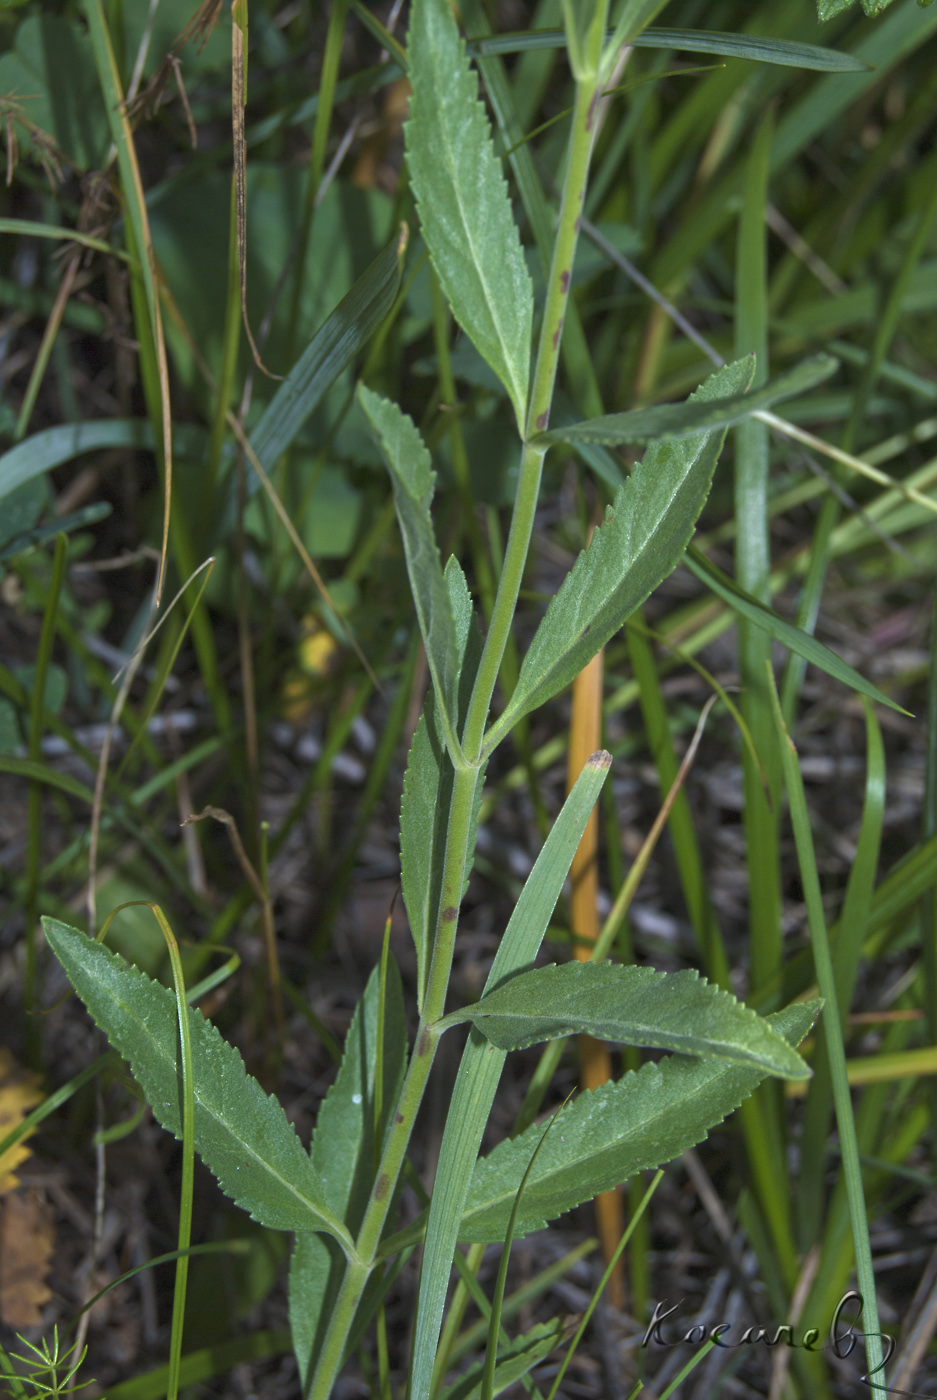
(463, 201)
(645, 532)
(612, 1132)
(332, 348)
(677, 1011)
(481, 1066)
(241, 1133)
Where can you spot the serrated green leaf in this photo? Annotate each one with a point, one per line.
(608, 1134)
(427, 788)
(343, 1155)
(645, 532)
(675, 420)
(422, 836)
(413, 480)
(482, 1063)
(241, 1133)
(677, 1011)
(463, 201)
(515, 1360)
(795, 638)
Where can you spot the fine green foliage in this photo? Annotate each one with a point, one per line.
(784, 52)
(48, 449)
(644, 534)
(667, 421)
(677, 1011)
(463, 201)
(608, 1134)
(240, 1132)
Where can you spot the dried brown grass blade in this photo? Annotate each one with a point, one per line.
(238, 103)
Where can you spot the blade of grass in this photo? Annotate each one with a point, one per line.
(34, 803)
(929, 901)
(497, 1303)
(853, 922)
(832, 1020)
(683, 834)
(142, 243)
(606, 1277)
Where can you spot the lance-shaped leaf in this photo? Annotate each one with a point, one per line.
(413, 480)
(482, 1063)
(676, 420)
(678, 1011)
(463, 201)
(241, 1133)
(343, 1155)
(642, 539)
(609, 1133)
(427, 788)
(795, 638)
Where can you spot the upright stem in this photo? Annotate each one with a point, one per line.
(466, 780)
(538, 412)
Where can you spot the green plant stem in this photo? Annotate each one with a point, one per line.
(34, 801)
(466, 779)
(538, 414)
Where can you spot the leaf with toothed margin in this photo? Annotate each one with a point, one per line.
(608, 1134)
(644, 534)
(414, 482)
(463, 202)
(678, 1011)
(241, 1133)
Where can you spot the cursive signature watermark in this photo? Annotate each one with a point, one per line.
(842, 1338)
